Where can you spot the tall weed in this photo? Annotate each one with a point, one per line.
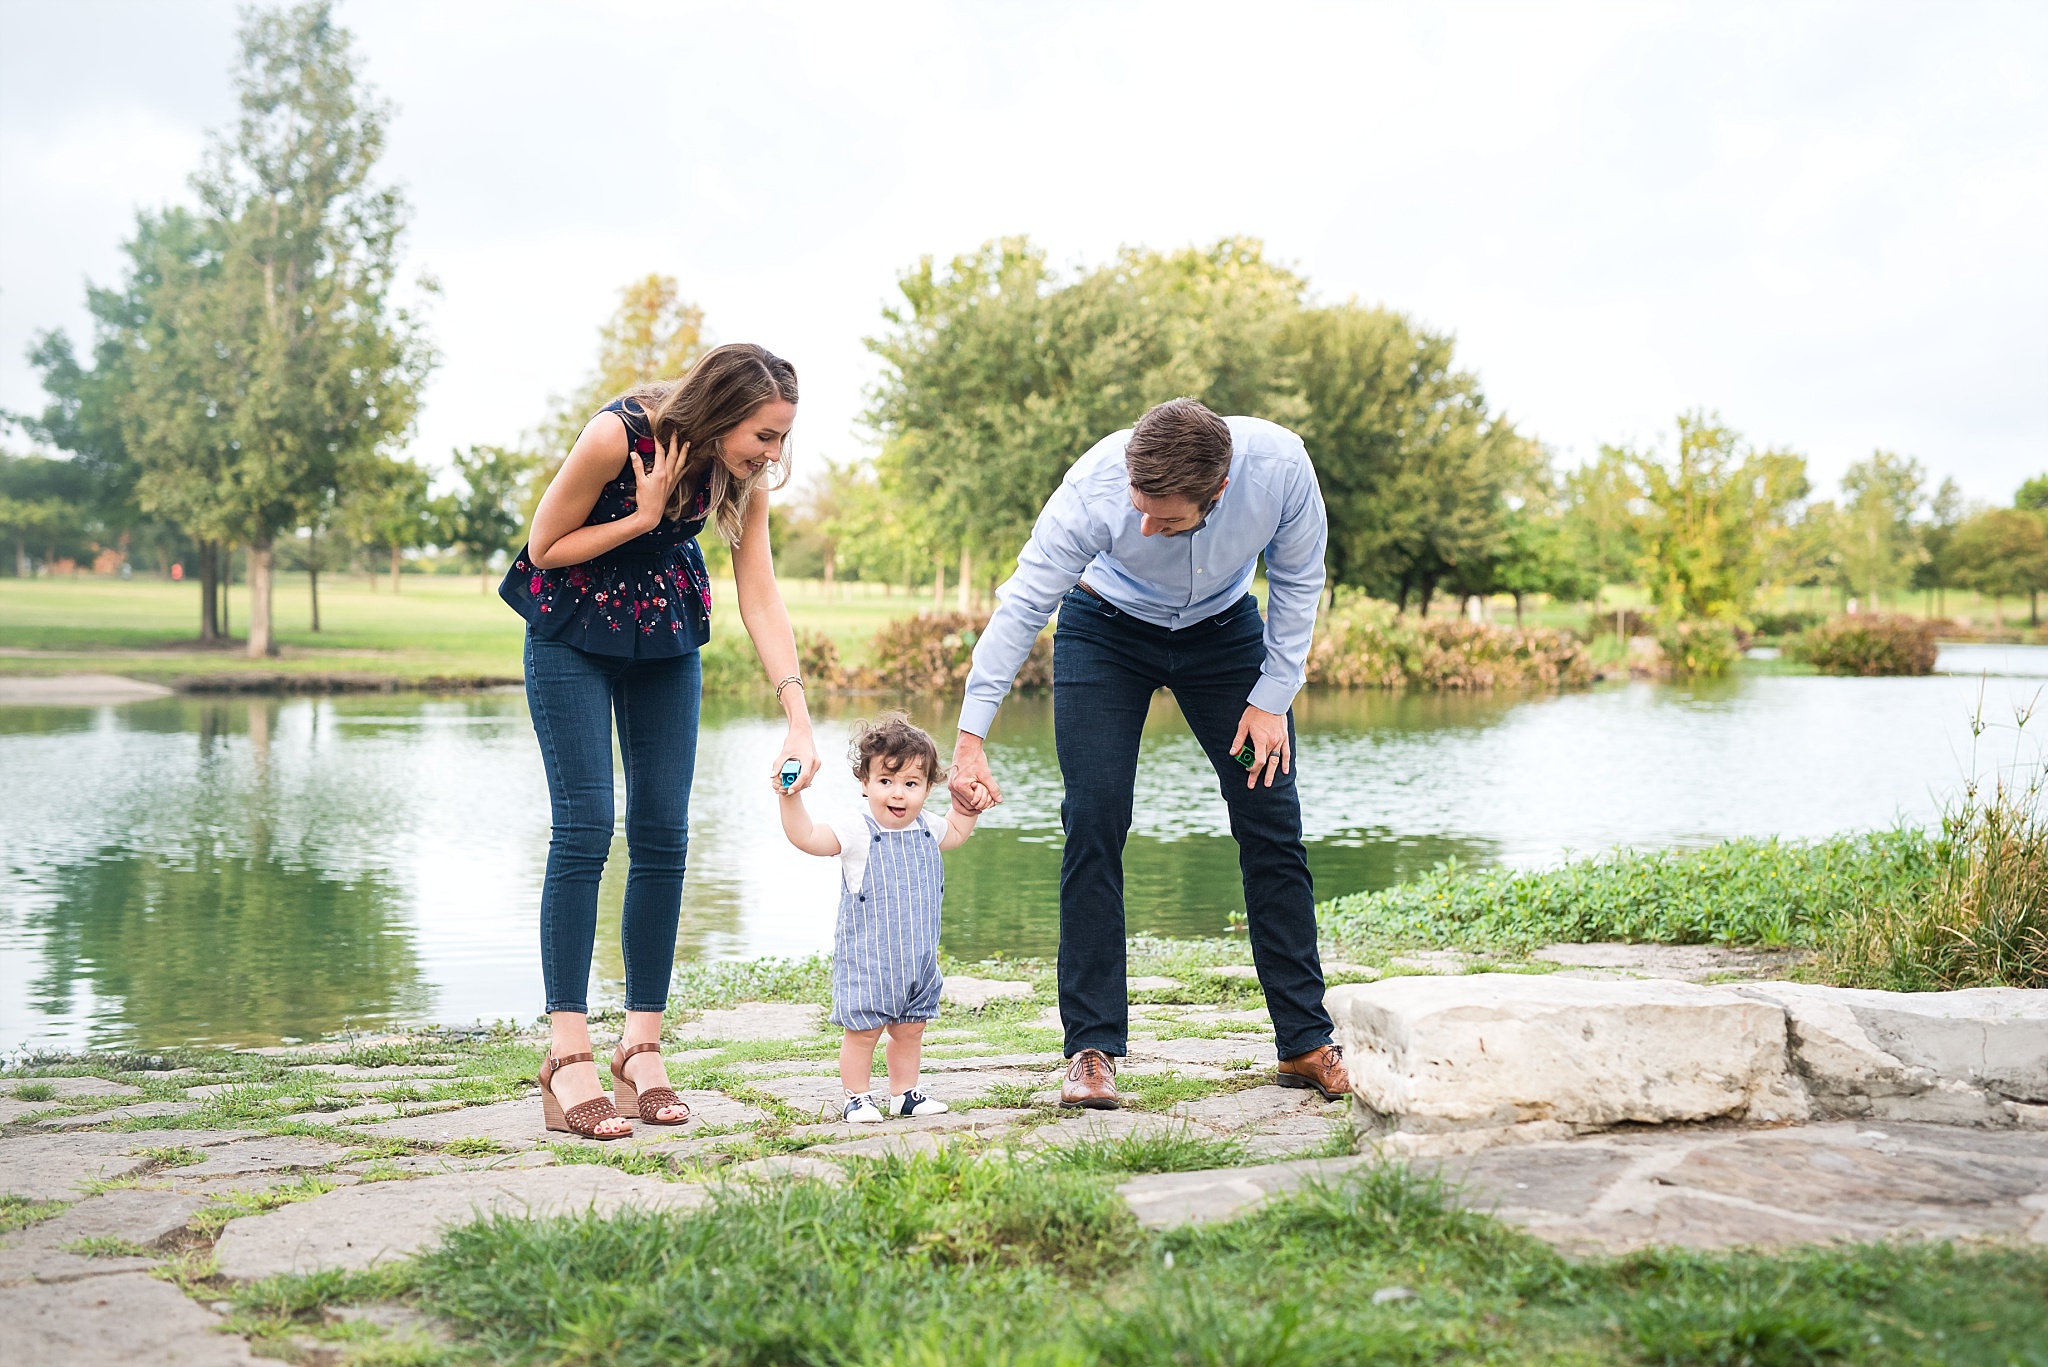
(1984, 922)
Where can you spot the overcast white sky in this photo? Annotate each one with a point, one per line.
(1829, 222)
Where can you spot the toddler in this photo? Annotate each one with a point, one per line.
(885, 949)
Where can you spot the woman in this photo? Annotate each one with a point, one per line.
(617, 602)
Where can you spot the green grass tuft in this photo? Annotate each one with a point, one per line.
(1184, 1150)
(107, 1246)
(19, 1212)
(214, 1216)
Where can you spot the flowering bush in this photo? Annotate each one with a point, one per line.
(1698, 646)
(1870, 643)
(932, 652)
(1369, 646)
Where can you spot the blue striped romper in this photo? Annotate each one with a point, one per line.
(885, 949)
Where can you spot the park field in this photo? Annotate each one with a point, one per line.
(449, 627)
(453, 628)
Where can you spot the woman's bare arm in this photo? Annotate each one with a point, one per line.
(558, 536)
(767, 622)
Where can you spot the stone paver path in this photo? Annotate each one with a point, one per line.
(393, 1175)
(380, 1221)
(1698, 1187)
(121, 1320)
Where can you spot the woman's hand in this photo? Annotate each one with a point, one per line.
(796, 746)
(651, 487)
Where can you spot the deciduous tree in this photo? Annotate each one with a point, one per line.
(483, 517)
(319, 369)
(1879, 544)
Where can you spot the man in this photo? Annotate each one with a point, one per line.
(1147, 550)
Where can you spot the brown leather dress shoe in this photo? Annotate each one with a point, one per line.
(1090, 1082)
(1322, 1069)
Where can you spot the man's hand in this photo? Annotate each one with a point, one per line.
(1272, 752)
(973, 786)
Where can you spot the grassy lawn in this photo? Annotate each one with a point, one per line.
(441, 625)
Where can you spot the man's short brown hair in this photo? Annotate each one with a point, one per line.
(891, 741)
(1179, 450)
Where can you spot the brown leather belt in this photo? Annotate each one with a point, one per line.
(1083, 586)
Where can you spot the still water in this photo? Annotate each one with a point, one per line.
(249, 870)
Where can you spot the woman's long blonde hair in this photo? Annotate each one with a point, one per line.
(711, 399)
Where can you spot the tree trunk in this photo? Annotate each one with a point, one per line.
(2033, 607)
(227, 581)
(396, 552)
(209, 596)
(1428, 592)
(965, 593)
(828, 572)
(261, 646)
(939, 586)
(313, 579)
(1518, 612)
(21, 566)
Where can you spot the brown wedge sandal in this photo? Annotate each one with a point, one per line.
(648, 1105)
(582, 1118)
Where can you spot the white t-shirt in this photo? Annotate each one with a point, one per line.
(852, 831)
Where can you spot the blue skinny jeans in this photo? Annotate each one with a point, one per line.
(574, 697)
(1106, 665)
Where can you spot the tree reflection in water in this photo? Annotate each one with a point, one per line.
(223, 948)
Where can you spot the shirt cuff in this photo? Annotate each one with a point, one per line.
(1268, 695)
(977, 716)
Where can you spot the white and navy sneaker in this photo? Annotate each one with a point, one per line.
(915, 1103)
(861, 1109)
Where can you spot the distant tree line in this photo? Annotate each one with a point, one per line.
(998, 374)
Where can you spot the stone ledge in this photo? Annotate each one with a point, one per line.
(1450, 1065)
(1975, 1057)
(1496, 1050)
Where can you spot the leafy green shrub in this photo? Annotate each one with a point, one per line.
(1750, 892)
(708, 985)
(1366, 645)
(1869, 643)
(1698, 647)
(730, 665)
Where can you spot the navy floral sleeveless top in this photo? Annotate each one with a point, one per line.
(647, 599)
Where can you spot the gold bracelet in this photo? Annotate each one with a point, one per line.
(796, 679)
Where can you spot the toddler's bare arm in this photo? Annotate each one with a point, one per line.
(804, 833)
(960, 821)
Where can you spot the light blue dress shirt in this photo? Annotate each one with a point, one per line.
(1088, 529)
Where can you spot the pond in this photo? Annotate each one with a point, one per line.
(253, 870)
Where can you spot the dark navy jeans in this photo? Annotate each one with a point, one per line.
(1105, 666)
(574, 697)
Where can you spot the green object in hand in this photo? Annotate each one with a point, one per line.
(1247, 756)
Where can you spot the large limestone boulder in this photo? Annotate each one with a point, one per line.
(1548, 1057)
(1977, 1057)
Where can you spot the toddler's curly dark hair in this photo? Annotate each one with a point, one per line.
(892, 741)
